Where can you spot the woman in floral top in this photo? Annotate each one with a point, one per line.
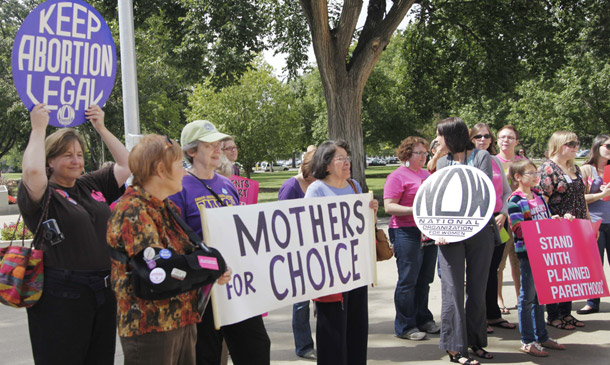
(153, 331)
(562, 183)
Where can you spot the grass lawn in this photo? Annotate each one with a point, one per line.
(12, 175)
(270, 182)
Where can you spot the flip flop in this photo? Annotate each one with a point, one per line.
(504, 310)
(503, 324)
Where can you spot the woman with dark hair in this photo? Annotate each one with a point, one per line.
(483, 139)
(463, 327)
(75, 319)
(415, 264)
(343, 321)
(593, 173)
(562, 183)
(295, 188)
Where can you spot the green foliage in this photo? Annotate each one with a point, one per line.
(8, 232)
(259, 112)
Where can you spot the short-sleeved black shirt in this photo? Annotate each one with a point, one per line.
(82, 213)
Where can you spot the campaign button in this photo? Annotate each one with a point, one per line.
(157, 275)
(208, 262)
(165, 253)
(178, 274)
(149, 253)
(151, 264)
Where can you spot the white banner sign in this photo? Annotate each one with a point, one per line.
(455, 203)
(290, 251)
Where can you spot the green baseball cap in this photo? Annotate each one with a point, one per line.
(200, 130)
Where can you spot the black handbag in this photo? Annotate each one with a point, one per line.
(160, 273)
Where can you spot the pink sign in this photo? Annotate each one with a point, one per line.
(565, 260)
(248, 189)
(607, 179)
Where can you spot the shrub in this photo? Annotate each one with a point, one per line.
(6, 233)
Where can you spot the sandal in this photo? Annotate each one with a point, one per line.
(534, 349)
(466, 360)
(502, 324)
(504, 310)
(480, 352)
(490, 330)
(570, 319)
(561, 324)
(552, 344)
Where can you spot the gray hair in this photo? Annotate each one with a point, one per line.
(190, 147)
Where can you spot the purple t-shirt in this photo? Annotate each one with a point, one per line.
(290, 190)
(194, 193)
(402, 184)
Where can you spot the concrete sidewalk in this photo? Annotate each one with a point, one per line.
(590, 344)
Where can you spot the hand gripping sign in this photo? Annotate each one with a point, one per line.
(565, 260)
(64, 56)
(455, 203)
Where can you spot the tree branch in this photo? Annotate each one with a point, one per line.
(347, 24)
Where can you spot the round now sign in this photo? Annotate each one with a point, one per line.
(64, 56)
(455, 203)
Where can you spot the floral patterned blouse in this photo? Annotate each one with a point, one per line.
(566, 195)
(140, 220)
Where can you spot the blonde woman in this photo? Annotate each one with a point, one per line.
(562, 183)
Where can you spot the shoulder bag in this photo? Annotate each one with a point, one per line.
(22, 269)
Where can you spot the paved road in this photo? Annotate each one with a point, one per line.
(589, 345)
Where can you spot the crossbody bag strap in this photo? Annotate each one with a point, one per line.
(43, 217)
(209, 188)
(193, 237)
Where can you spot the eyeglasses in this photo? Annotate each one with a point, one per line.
(572, 144)
(607, 145)
(168, 141)
(422, 153)
(479, 136)
(343, 159)
(232, 149)
(510, 138)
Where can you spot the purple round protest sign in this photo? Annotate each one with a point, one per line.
(64, 56)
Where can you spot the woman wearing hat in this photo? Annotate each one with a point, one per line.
(247, 341)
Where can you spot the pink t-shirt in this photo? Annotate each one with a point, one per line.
(402, 184)
(497, 182)
(538, 209)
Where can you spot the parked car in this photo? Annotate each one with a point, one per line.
(392, 159)
(377, 162)
(582, 153)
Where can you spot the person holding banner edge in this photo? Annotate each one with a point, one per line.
(295, 188)
(415, 263)
(599, 209)
(75, 319)
(464, 326)
(483, 139)
(527, 204)
(563, 185)
(153, 331)
(247, 341)
(342, 318)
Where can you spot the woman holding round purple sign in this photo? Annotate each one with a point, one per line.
(464, 326)
(75, 319)
(415, 263)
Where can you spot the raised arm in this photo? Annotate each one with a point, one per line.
(34, 166)
(117, 148)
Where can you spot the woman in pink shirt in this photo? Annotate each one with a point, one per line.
(415, 263)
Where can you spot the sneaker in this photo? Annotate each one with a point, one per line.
(430, 327)
(414, 335)
(534, 349)
(552, 344)
(310, 355)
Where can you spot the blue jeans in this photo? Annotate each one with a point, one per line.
(415, 274)
(301, 329)
(531, 314)
(603, 243)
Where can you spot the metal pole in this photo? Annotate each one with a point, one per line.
(131, 112)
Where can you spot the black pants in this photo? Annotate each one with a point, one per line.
(491, 293)
(342, 329)
(247, 341)
(73, 323)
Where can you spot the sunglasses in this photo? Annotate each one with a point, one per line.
(607, 145)
(572, 144)
(479, 136)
